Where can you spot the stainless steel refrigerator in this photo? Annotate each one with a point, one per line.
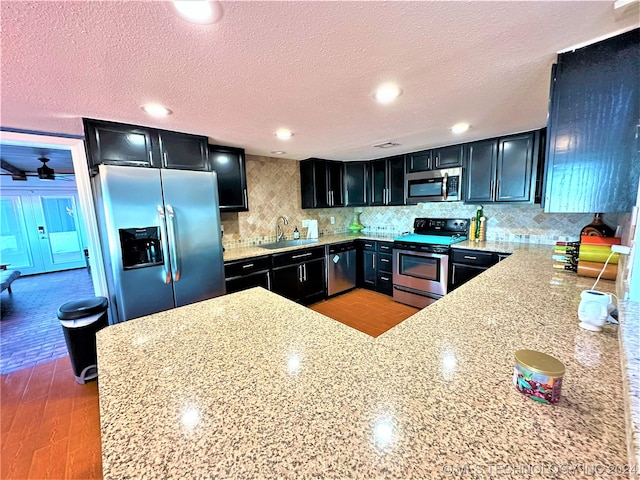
(161, 238)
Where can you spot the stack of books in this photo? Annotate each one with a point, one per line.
(588, 256)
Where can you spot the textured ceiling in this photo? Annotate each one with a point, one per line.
(308, 66)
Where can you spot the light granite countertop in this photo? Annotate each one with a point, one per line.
(251, 385)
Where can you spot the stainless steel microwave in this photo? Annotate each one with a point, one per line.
(443, 185)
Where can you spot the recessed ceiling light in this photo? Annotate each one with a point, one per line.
(284, 134)
(156, 110)
(460, 127)
(387, 93)
(202, 12)
(278, 152)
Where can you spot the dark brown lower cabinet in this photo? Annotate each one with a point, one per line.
(300, 275)
(468, 264)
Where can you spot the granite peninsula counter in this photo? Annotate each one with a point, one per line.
(251, 385)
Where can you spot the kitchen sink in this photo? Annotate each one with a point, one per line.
(287, 243)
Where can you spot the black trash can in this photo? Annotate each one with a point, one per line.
(81, 320)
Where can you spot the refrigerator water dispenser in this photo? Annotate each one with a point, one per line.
(140, 247)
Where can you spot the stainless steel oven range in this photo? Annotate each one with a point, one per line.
(421, 259)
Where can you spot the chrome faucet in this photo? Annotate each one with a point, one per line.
(279, 229)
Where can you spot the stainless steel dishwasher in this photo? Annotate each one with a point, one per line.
(341, 267)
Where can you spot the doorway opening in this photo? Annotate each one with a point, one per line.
(43, 235)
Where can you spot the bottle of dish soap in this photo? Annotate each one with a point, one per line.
(296, 234)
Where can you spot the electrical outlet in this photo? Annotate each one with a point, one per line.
(333, 220)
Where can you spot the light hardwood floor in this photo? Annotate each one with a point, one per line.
(370, 312)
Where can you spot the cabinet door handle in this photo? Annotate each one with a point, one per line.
(469, 257)
(166, 159)
(302, 255)
(384, 260)
(269, 281)
(246, 199)
(437, 161)
(150, 158)
(384, 247)
(373, 263)
(304, 270)
(384, 278)
(248, 265)
(300, 273)
(453, 275)
(368, 245)
(497, 188)
(491, 189)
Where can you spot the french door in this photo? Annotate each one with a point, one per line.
(41, 231)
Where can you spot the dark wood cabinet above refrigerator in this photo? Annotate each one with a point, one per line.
(135, 146)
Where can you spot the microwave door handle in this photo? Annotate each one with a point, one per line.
(445, 186)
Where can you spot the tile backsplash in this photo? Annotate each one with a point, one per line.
(273, 186)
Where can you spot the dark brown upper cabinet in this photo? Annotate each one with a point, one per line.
(442, 157)
(448, 157)
(480, 171)
(593, 128)
(230, 167)
(356, 184)
(502, 169)
(130, 145)
(181, 151)
(419, 161)
(321, 183)
(387, 181)
(118, 144)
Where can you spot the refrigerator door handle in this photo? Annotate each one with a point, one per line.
(163, 241)
(173, 245)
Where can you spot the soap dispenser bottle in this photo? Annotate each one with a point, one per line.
(296, 234)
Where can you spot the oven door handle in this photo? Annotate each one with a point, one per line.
(417, 253)
(445, 187)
